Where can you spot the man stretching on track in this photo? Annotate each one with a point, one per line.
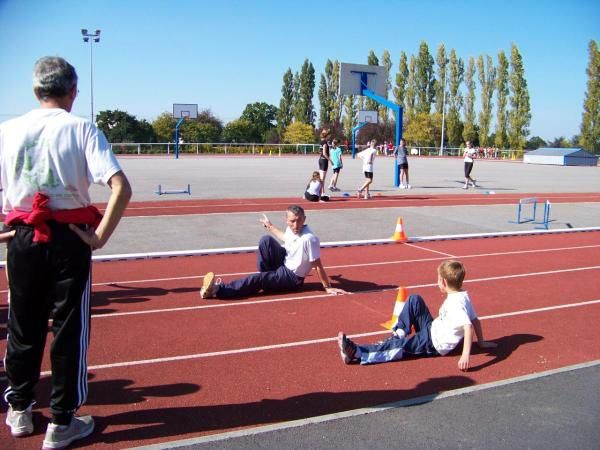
(280, 267)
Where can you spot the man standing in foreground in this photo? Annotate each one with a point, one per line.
(48, 159)
(281, 268)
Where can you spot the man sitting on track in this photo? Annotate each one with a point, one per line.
(280, 268)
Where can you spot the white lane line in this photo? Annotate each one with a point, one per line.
(361, 411)
(419, 247)
(230, 304)
(307, 342)
(348, 266)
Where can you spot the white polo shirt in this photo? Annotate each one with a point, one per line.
(447, 329)
(302, 250)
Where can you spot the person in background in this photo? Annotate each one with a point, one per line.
(337, 165)
(367, 156)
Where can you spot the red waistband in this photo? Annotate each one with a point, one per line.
(40, 214)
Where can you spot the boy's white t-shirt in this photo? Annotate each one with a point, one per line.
(301, 250)
(447, 329)
(368, 155)
(47, 150)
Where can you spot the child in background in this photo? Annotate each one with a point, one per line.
(336, 162)
(313, 189)
(457, 321)
(368, 156)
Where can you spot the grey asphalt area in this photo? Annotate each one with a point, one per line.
(556, 411)
(243, 177)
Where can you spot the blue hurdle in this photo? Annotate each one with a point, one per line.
(546, 219)
(159, 191)
(525, 201)
(533, 201)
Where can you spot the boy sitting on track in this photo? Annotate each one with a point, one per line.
(456, 321)
(281, 267)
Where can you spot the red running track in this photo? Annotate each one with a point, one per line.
(165, 365)
(180, 207)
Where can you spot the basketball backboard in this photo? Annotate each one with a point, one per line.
(351, 76)
(181, 110)
(367, 116)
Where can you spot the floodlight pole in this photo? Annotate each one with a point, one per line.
(177, 137)
(91, 38)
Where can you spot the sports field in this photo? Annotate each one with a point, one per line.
(171, 370)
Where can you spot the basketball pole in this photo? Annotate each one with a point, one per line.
(354, 131)
(397, 110)
(177, 137)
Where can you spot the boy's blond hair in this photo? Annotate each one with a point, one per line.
(453, 272)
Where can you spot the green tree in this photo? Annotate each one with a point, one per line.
(401, 80)
(194, 131)
(350, 111)
(119, 126)
(469, 133)
(519, 115)
(240, 130)
(590, 121)
(501, 138)
(424, 80)
(454, 126)
(371, 105)
(332, 75)
(305, 111)
(559, 142)
(164, 127)
(299, 133)
(420, 130)
(386, 61)
(535, 142)
(262, 117)
(285, 114)
(487, 83)
(411, 89)
(442, 61)
(325, 102)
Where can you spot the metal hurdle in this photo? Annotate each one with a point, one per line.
(159, 191)
(533, 201)
(525, 201)
(546, 219)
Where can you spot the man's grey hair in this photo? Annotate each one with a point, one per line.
(296, 210)
(53, 77)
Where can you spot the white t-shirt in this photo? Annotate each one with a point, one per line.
(302, 250)
(314, 187)
(367, 155)
(51, 151)
(470, 154)
(447, 329)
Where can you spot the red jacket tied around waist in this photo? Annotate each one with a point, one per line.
(40, 215)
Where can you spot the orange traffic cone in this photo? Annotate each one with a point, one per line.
(399, 235)
(400, 301)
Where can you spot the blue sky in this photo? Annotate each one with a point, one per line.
(226, 54)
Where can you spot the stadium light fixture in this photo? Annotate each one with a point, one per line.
(95, 38)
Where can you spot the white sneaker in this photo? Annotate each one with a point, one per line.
(20, 422)
(466, 186)
(408, 186)
(60, 436)
(402, 186)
